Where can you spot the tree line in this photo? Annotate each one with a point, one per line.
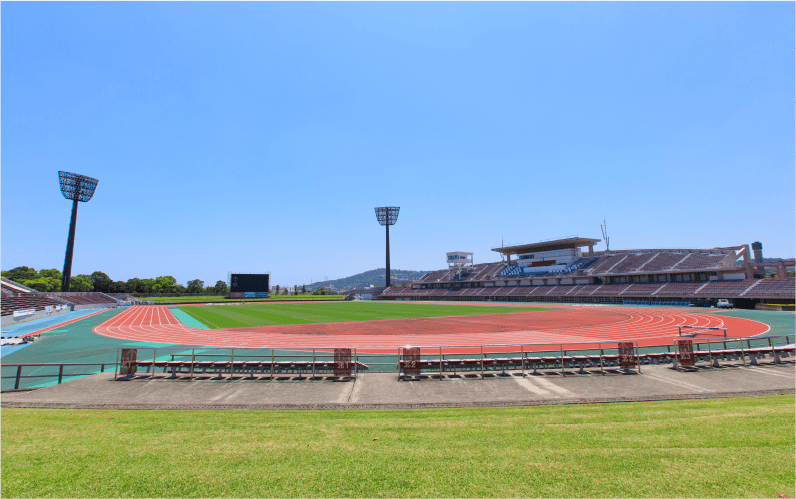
(47, 280)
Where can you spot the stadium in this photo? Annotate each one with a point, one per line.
(228, 318)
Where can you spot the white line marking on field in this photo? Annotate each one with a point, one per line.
(546, 384)
(351, 396)
(765, 371)
(681, 384)
(528, 385)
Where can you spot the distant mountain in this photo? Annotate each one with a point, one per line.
(375, 277)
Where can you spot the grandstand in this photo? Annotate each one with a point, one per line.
(558, 270)
(21, 303)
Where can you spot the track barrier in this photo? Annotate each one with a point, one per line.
(527, 359)
(237, 364)
(416, 362)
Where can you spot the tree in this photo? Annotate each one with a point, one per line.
(101, 281)
(81, 282)
(195, 286)
(53, 273)
(220, 288)
(303, 289)
(20, 274)
(42, 284)
(167, 284)
(132, 285)
(146, 285)
(277, 289)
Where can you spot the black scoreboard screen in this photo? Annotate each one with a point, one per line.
(249, 285)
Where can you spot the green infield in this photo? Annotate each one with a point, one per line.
(169, 300)
(221, 316)
(739, 447)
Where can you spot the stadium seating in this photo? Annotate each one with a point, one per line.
(642, 288)
(786, 288)
(632, 263)
(662, 261)
(679, 289)
(93, 298)
(725, 289)
(24, 301)
(698, 261)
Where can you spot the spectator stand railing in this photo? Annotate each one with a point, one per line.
(237, 363)
(528, 358)
(40, 371)
(688, 352)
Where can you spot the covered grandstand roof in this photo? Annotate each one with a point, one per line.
(551, 245)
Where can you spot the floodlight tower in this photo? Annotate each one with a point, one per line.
(387, 216)
(77, 188)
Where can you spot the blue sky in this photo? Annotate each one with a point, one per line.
(260, 136)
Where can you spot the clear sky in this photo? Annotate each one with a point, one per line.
(260, 136)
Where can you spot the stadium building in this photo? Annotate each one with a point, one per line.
(561, 270)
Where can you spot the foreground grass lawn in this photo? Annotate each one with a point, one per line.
(740, 447)
(221, 316)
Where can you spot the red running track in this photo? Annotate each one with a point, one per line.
(571, 325)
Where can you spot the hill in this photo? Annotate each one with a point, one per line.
(375, 277)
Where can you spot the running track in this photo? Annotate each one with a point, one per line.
(572, 325)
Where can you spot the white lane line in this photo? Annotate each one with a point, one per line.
(531, 387)
(765, 371)
(546, 384)
(681, 384)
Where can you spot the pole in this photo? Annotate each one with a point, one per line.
(388, 255)
(70, 244)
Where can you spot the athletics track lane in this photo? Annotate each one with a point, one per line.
(648, 326)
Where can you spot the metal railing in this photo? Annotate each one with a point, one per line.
(576, 357)
(18, 376)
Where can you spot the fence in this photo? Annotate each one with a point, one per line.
(563, 358)
(434, 361)
(199, 363)
(60, 375)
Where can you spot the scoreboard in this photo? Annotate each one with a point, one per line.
(249, 285)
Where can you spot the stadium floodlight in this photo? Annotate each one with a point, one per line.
(75, 188)
(387, 216)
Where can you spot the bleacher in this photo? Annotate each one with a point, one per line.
(25, 301)
(725, 289)
(770, 288)
(679, 289)
(92, 298)
(699, 261)
(642, 288)
(765, 288)
(662, 261)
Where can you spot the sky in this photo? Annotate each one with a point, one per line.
(253, 137)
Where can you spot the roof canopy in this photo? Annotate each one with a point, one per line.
(555, 244)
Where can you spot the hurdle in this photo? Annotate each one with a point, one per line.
(701, 328)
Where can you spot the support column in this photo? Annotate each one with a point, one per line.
(591, 250)
(388, 257)
(70, 244)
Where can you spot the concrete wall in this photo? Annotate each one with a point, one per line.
(8, 320)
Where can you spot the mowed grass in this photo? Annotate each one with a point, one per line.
(225, 316)
(741, 447)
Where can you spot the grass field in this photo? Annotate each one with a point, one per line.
(221, 316)
(741, 447)
(168, 300)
